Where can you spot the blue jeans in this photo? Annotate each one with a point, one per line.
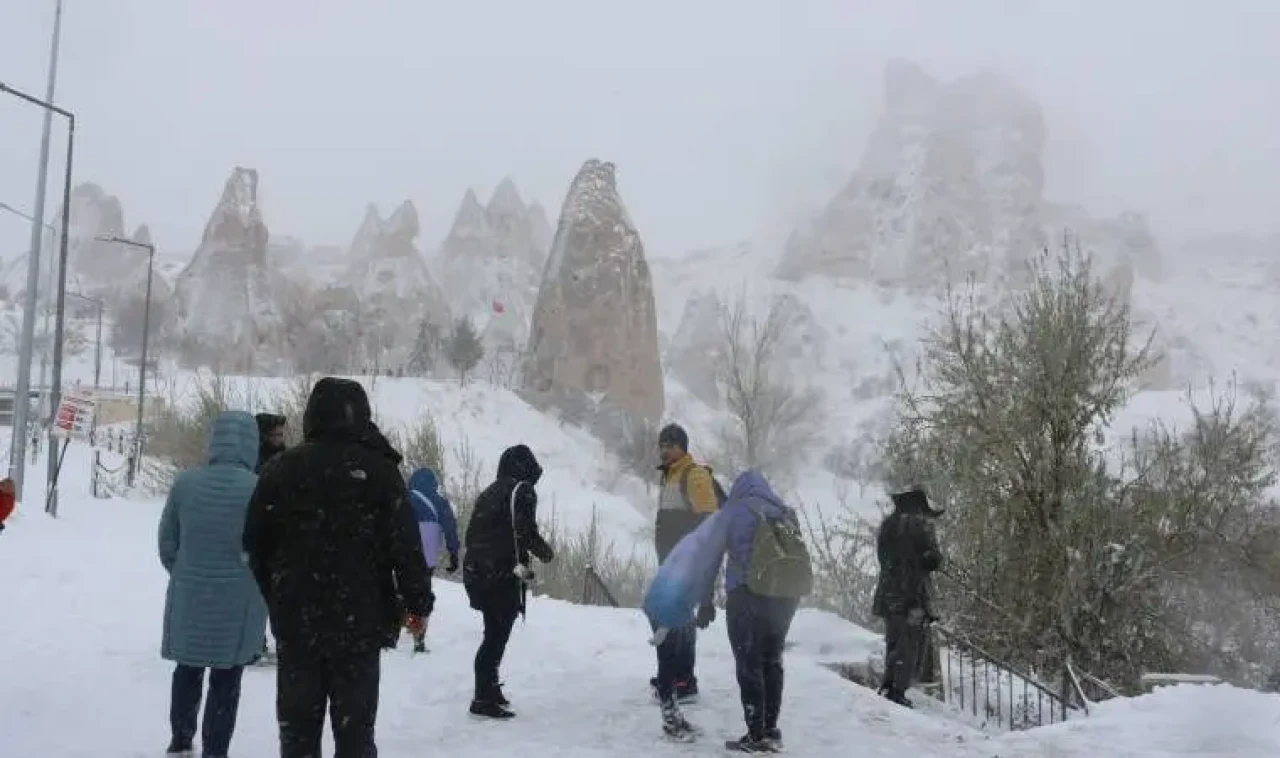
(219, 709)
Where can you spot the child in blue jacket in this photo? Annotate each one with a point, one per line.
(436, 524)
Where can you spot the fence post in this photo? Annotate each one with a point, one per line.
(93, 480)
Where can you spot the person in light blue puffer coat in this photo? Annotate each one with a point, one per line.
(214, 614)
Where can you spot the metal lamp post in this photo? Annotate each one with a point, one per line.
(21, 409)
(136, 459)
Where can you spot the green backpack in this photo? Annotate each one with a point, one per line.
(780, 564)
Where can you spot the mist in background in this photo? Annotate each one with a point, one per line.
(727, 120)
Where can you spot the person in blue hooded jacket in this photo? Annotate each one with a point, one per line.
(214, 615)
(757, 624)
(436, 524)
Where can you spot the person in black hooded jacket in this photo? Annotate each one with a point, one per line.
(502, 534)
(907, 549)
(334, 547)
(271, 427)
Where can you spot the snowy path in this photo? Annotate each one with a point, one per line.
(83, 597)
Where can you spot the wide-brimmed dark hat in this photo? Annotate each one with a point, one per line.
(915, 500)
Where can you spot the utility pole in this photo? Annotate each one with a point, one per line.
(135, 460)
(21, 408)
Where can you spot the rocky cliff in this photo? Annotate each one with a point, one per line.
(229, 296)
(492, 261)
(388, 275)
(951, 185)
(593, 346)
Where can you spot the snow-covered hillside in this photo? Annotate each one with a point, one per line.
(482, 421)
(83, 597)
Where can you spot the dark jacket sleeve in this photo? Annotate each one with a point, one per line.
(525, 522)
(259, 539)
(399, 535)
(927, 542)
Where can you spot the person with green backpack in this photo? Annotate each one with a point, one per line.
(767, 570)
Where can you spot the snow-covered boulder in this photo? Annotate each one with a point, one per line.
(593, 347)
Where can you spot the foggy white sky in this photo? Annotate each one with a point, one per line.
(725, 117)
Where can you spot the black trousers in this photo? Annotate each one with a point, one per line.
(499, 619)
(220, 708)
(346, 684)
(758, 629)
(677, 655)
(903, 646)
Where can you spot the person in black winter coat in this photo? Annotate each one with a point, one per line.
(271, 428)
(333, 544)
(502, 534)
(907, 548)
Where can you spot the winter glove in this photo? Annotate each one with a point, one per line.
(706, 615)
(452, 565)
(416, 625)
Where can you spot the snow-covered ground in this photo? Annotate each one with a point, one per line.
(82, 598)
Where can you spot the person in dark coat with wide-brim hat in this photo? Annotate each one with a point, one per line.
(908, 553)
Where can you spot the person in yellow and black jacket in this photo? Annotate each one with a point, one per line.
(688, 494)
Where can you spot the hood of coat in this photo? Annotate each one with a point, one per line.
(424, 480)
(338, 410)
(233, 440)
(518, 463)
(752, 486)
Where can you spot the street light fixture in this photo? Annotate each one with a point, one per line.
(136, 459)
(21, 409)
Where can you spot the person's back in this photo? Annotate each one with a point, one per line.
(214, 614)
(334, 546)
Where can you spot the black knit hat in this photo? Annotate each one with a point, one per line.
(674, 434)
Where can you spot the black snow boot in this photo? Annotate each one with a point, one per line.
(749, 743)
(894, 696)
(490, 710)
(177, 749)
(774, 735)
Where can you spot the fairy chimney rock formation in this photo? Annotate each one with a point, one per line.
(228, 294)
(593, 346)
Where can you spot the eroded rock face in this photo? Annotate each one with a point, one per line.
(389, 277)
(593, 347)
(949, 186)
(229, 296)
(492, 264)
(693, 356)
